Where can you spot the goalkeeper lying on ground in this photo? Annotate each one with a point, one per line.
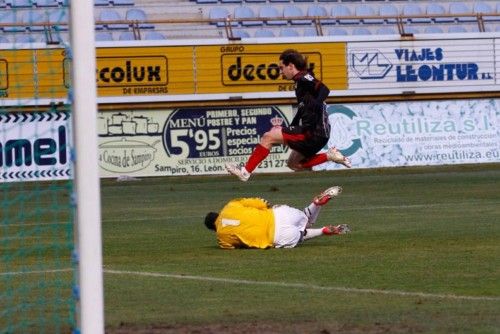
(253, 223)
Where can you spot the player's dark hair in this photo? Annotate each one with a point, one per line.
(210, 219)
(295, 57)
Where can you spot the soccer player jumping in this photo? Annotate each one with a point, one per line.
(310, 129)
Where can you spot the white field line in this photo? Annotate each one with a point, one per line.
(50, 271)
(357, 208)
(305, 286)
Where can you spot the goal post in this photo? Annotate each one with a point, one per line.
(51, 277)
(88, 211)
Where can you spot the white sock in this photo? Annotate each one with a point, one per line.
(313, 233)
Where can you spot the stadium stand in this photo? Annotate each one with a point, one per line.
(115, 16)
(122, 2)
(433, 30)
(242, 13)
(240, 33)
(138, 15)
(46, 3)
(154, 35)
(386, 31)
(104, 36)
(112, 15)
(263, 32)
(361, 31)
(291, 11)
(19, 3)
(342, 10)
(367, 10)
(337, 32)
(127, 36)
(289, 32)
(415, 11)
(274, 14)
(388, 9)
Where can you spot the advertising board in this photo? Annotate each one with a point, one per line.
(417, 133)
(35, 146)
(186, 141)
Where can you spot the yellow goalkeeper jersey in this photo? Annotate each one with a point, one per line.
(245, 223)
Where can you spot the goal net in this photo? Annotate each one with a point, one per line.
(41, 257)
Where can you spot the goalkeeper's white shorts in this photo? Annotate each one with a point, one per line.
(289, 226)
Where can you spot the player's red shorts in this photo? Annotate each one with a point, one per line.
(305, 143)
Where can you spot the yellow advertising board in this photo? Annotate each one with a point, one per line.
(168, 70)
(32, 73)
(254, 67)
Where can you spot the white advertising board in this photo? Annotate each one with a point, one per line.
(416, 133)
(198, 141)
(443, 65)
(35, 146)
(186, 141)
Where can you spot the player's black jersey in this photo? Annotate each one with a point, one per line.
(311, 114)
(306, 83)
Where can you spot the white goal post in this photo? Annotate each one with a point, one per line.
(90, 311)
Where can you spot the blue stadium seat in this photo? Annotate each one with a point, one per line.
(271, 12)
(59, 19)
(316, 10)
(122, 2)
(289, 32)
(361, 31)
(388, 9)
(280, 0)
(19, 3)
(337, 32)
(342, 10)
(220, 13)
(411, 30)
(483, 8)
(310, 32)
(461, 8)
(293, 11)
(24, 38)
(367, 10)
(126, 36)
(110, 14)
(264, 33)
(9, 17)
(103, 36)
(255, 1)
(46, 3)
(303, 0)
(457, 29)
(32, 17)
(101, 3)
(240, 33)
(386, 31)
(433, 30)
(242, 12)
(206, 1)
(154, 35)
(231, 1)
(413, 9)
(137, 14)
(438, 9)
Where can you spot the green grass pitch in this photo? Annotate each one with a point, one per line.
(424, 255)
